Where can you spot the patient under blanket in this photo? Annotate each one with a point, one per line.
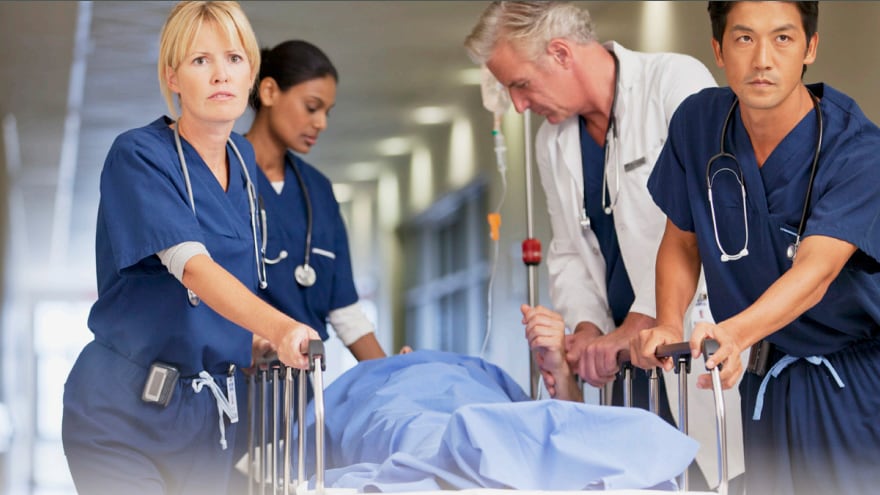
(433, 420)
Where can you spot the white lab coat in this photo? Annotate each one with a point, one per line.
(649, 89)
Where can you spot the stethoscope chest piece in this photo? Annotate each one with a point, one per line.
(192, 298)
(791, 251)
(305, 275)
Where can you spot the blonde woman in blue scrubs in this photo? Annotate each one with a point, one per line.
(153, 403)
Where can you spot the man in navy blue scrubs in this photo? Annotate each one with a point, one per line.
(771, 185)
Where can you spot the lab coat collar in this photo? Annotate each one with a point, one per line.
(627, 59)
(568, 131)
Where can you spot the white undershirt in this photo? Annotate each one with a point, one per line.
(176, 257)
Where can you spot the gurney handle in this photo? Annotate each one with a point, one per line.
(680, 352)
(709, 347)
(317, 365)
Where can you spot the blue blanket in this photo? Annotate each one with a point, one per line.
(432, 420)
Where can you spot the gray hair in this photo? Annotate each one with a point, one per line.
(529, 26)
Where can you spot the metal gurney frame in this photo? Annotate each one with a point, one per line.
(681, 356)
(263, 459)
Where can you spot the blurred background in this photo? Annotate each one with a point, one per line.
(409, 149)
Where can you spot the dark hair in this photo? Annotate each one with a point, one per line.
(718, 15)
(290, 63)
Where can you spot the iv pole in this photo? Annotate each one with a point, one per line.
(531, 247)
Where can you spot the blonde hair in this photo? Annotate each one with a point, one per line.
(528, 26)
(182, 27)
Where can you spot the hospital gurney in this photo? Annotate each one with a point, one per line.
(269, 436)
(485, 422)
(680, 353)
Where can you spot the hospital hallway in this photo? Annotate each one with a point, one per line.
(409, 150)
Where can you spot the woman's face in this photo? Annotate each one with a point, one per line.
(214, 79)
(298, 115)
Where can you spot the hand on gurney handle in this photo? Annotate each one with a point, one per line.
(728, 347)
(669, 354)
(294, 348)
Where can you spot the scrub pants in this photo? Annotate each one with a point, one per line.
(815, 438)
(117, 444)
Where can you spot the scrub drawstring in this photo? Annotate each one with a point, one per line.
(224, 405)
(781, 365)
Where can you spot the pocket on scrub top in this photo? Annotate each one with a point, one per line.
(324, 263)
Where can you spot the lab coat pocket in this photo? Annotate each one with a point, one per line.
(561, 247)
(642, 163)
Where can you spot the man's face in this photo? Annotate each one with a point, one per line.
(763, 52)
(541, 87)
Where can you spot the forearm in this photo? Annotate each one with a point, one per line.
(567, 387)
(818, 263)
(367, 347)
(635, 322)
(678, 272)
(226, 295)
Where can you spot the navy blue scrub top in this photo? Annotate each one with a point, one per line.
(142, 312)
(286, 219)
(845, 205)
(620, 291)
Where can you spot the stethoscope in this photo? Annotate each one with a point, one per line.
(791, 250)
(304, 274)
(608, 203)
(192, 298)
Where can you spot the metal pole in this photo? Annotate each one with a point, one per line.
(276, 434)
(301, 420)
(263, 412)
(654, 390)
(531, 246)
(252, 430)
(288, 406)
(319, 426)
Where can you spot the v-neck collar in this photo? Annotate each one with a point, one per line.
(783, 163)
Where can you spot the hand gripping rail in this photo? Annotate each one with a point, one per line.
(265, 407)
(680, 353)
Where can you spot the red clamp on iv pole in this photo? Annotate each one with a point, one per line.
(531, 252)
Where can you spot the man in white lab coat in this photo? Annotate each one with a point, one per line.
(607, 110)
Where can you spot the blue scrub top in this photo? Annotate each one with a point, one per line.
(142, 311)
(620, 291)
(845, 205)
(286, 219)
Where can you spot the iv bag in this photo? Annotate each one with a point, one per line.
(496, 99)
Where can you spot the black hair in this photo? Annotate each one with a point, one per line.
(290, 63)
(718, 15)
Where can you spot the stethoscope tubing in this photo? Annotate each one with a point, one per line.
(791, 251)
(252, 205)
(304, 274)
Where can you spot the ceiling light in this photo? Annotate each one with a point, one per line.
(362, 171)
(431, 115)
(342, 192)
(472, 76)
(394, 146)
